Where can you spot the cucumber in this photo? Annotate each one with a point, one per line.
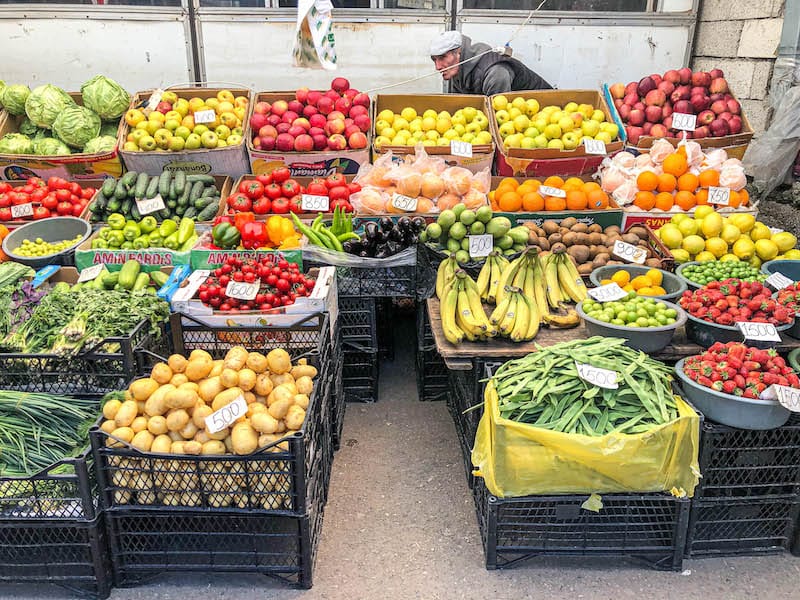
(135, 214)
(159, 278)
(189, 212)
(128, 274)
(205, 179)
(120, 192)
(180, 182)
(197, 190)
(100, 202)
(163, 183)
(164, 213)
(152, 188)
(140, 189)
(129, 179)
(201, 203)
(172, 193)
(108, 187)
(171, 204)
(125, 208)
(179, 210)
(183, 201)
(113, 205)
(110, 280)
(141, 282)
(209, 191)
(208, 213)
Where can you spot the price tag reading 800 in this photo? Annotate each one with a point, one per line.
(315, 203)
(629, 252)
(546, 190)
(226, 416)
(684, 121)
(759, 332)
(596, 376)
(607, 293)
(22, 210)
(406, 203)
(150, 205)
(458, 148)
(204, 116)
(594, 146)
(241, 290)
(720, 196)
(481, 245)
(778, 281)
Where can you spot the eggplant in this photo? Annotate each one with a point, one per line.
(393, 248)
(419, 223)
(404, 224)
(350, 246)
(409, 239)
(371, 231)
(363, 254)
(396, 235)
(386, 224)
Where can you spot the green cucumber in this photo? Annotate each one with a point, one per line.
(208, 213)
(180, 182)
(152, 188)
(129, 180)
(202, 202)
(206, 179)
(209, 191)
(108, 187)
(125, 208)
(120, 192)
(197, 190)
(140, 189)
(163, 183)
(189, 212)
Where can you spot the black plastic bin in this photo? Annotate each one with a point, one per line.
(360, 374)
(357, 321)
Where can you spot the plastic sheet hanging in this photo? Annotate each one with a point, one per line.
(314, 45)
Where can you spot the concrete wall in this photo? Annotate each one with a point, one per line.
(741, 38)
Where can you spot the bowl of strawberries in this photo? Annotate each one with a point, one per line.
(714, 310)
(789, 297)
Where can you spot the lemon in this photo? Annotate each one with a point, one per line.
(659, 291)
(766, 249)
(729, 258)
(693, 244)
(671, 236)
(640, 282)
(730, 233)
(744, 248)
(717, 246)
(756, 262)
(702, 211)
(793, 254)
(680, 255)
(760, 232)
(386, 115)
(646, 291)
(655, 276)
(743, 221)
(677, 218)
(621, 278)
(784, 240)
(711, 225)
(705, 256)
(408, 113)
(606, 281)
(688, 227)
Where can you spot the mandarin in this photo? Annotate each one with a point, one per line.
(645, 200)
(647, 181)
(709, 178)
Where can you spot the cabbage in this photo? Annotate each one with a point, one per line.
(76, 125)
(41, 133)
(45, 103)
(50, 147)
(14, 97)
(105, 97)
(103, 143)
(27, 127)
(2, 87)
(16, 143)
(109, 128)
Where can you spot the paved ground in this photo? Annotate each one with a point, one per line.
(400, 524)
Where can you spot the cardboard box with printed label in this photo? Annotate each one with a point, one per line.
(204, 256)
(151, 259)
(657, 219)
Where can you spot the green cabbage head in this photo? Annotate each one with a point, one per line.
(103, 143)
(76, 125)
(16, 143)
(50, 147)
(45, 103)
(109, 128)
(14, 97)
(105, 97)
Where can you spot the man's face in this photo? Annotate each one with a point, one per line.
(445, 62)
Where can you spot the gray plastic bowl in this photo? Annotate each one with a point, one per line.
(646, 339)
(692, 284)
(706, 333)
(674, 286)
(730, 410)
(794, 330)
(787, 267)
(53, 229)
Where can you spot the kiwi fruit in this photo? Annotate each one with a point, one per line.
(569, 238)
(544, 243)
(638, 231)
(550, 227)
(554, 238)
(595, 228)
(569, 222)
(580, 228)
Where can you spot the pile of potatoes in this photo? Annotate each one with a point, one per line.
(589, 245)
(166, 414)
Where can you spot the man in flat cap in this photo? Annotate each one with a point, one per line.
(491, 73)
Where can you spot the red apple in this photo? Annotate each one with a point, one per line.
(655, 98)
(719, 107)
(653, 114)
(716, 73)
(262, 108)
(715, 97)
(658, 131)
(618, 102)
(257, 143)
(347, 122)
(631, 99)
(672, 76)
(333, 95)
(301, 94)
(632, 88)
(313, 97)
(361, 99)
(645, 85)
(700, 103)
(343, 105)
(296, 107)
(617, 90)
(682, 92)
(639, 106)
(284, 143)
(340, 84)
(727, 116)
(317, 131)
(274, 119)
(363, 122)
(705, 117)
(335, 126)
(701, 132)
(667, 87)
(624, 112)
(303, 143)
(685, 75)
(336, 115)
(357, 140)
(719, 128)
(279, 107)
(699, 91)
(257, 121)
(358, 109)
(734, 106)
(289, 116)
(735, 124)
(301, 122)
(267, 143)
(296, 130)
(325, 105)
(337, 142)
(268, 131)
(283, 127)
(667, 123)
(683, 106)
(701, 79)
(309, 110)
(351, 93)
(317, 120)
(666, 110)
(164, 107)
(320, 141)
(637, 117)
(350, 130)
(656, 77)
(718, 86)
(634, 133)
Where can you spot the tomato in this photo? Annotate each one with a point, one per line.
(273, 191)
(296, 204)
(5, 200)
(75, 188)
(343, 204)
(40, 212)
(317, 189)
(5, 187)
(239, 202)
(335, 179)
(262, 206)
(271, 280)
(354, 187)
(77, 209)
(280, 206)
(26, 189)
(290, 188)
(64, 208)
(38, 195)
(37, 182)
(253, 189)
(339, 192)
(5, 214)
(19, 198)
(281, 174)
(50, 202)
(264, 180)
(57, 183)
(88, 193)
(63, 195)
(283, 285)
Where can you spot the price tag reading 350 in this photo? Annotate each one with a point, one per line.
(629, 252)
(594, 146)
(406, 203)
(241, 290)
(22, 210)
(315, 203)
(458, 148)
(607, 293)
(546, 190)
(204, 116)
(778, 281)
(481, 245)
(720, 196)
(226, 416)
(684, 121)
(759, 332)
(596, 376)
(150, 205)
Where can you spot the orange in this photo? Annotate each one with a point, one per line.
(590, 186)
(553, 203)
(688, 182)
(667, 183)
(681, 150)
(685, 200)
(573, 183)
(576, 200)
(526, 187)
(734, 200)
(675, 164)
(510, 202)
(554, 181)
(509, 181)
(664, 201)
(502, 189)
(598, 199)
(702, 197)
(533, 202)
(744, 197)
(645, 200)
(709, 178)
(647, 181)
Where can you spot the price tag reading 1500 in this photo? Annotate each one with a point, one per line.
(603, 378)
(759, 332)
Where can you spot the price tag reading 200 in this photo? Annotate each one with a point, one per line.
(629, 252)
(241, 290)
(603, 378)
(226, 416)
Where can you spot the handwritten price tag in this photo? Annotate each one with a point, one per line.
(596, 376)
(719, 195)
(607, 293)
(204, 116)
(774, 230)
(22, 210)
(778, 281)
(155, 98)
(629, 252)
(458, 148)
(684, 121)
(759, 332)
(788, 397)
(90, 273)
(406, 203)
(315, 203)
(226, 416)
(481, 245)
(546, 190)
(594, 146)
(150, 205)
(241, 290)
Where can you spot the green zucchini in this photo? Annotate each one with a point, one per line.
(208, 213)
(141, 282)
(180, 182)
(140, 189)
(205, 179)
(152, 188)
(128, 274)
(110, 280)
(163, 183)
(108, 187)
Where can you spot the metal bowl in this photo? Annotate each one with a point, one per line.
(706, 333)
(646, 339)
(730, 410)
(53, 229)
(673, 285)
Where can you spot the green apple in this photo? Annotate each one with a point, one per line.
(590, 128)
(519, 102)
(566, 124)
(200, 129)
(147, 143)
(399, 123)
(152, 127)
(507, 129)
(483, 137)
(540, 123)
(459, 129)
(430, 114)
(142, 125)
(598, 115)
(162, 138)
(482, 120)
(586, 110)
(552, 131)
(473, 127)
(540, 141)
(382, 124)
(611, 129)
(459, 118)
(532, 106)
(499, 102)
(570, 107)
(181, 106)
(131, 147)
(234, 139)
(237, 131)
(221, 143)
(521, 123)
(469, 113)
(558, 144)
(176, 143)
(138, 134)
(528, 143)
(531, 132)
(420, 135)
(570, 140)
(193, 142)
(467, 137)
(415, 125)
(223, 132)
(501, 116)
(577, 118)
(209, 139)
(514, 112)
(514, 141)
(172, 124)
(450, 134)
(604, 136)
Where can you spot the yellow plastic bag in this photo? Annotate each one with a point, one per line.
(517, 459)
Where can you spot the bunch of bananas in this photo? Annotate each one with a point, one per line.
(490, 274)
(461, 311)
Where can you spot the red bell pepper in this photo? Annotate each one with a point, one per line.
(254, 234)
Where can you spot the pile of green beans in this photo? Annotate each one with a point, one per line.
(544, 389)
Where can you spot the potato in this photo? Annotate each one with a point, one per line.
(236, 358)
(263, 385)
(264, 422)
(175, 436)
(279, 408)
(294, 417)
(156, 404)
(212, 448)
(189, 430)
(202, 436)
(177, 419)
(249, 397)
(281, 379)
(304, 371)
(301, 400)
(123, 433)
(255, 408)
(177, 448)
(226, 397)
(304, 385)
(177, 363)
(247, 379)
(110, 408)
(222, 434)
(198, 369)
(108, 426)
(244, 438)
(229, 378)
(257, 362)
(281, 427)
(208, 388)
(178, 379)
(580, 253)
(181, 398)
(199, 416)
(161, 373)
(143, 388)
(126, 413)
(200, 354)
(279, 361)
(143, 441)
(139, 424)
(157, 425)
(161, 444)
(192, 447)
(190, 385)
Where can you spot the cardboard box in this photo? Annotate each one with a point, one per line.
(75, 167)
(95, 183)
(543, 162)
(656, 219)
(308, 164)
(230, 160)
(202, 256)
(151, 259)
(482, 154)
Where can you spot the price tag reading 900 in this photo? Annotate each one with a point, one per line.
(629, 252)
(480, 245)
(546, 190)
(603, 378)
(759, 332)
(607, 293)
(226, 416)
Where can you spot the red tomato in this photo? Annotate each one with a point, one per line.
(50, 202)
(5, 187)
(40, 212)
(296, 204)
(19, 198)
(75, 188)
(5, 200)
(354, 187)
(37, 182)
(57, 183)
(239, 202)
(339, 192)
(26, 189)
(262, 206)
(273, 191)
(77, 209)
(64, 208)
(335, 179)
(317, 189)
(88, 193)
(253, 189)
(5, 214)
(290, 188)
(264, 180)
(38, 195)
(63, 195)
(280, 206)
(281, 174)
(343, 204)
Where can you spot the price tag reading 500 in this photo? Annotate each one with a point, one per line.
(596, 376)
(226, 416)
(629, 252)
(480, 245)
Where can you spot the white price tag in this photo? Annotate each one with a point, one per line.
(90, 273)
(481, 245)
(181, 298)
(596, 376)
(226, 416)
(789, 397)
(22, 210)
(778, 281)
(719, 195)
(629, 252)
(594, 146)
(607, 293)
(684, 121)
(241, 290)
(458, 148)
(546, 190)
(315, 203)
(155, 98)
(406, 203)
(759, 332)
(204, 116)
(150, 205)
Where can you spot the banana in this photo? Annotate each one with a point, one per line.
(521, 320)
(571, 284)
(498, 266)
(447, 310)
(553, 288)
(444, 274)
(534, 321)
(539, 289)
(563, 321)
(509, 273)
(477, 308)
(507, 322)
(500, 310)
(484, 277)
(464, 317)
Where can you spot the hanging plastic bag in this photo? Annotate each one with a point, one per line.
(313, 43)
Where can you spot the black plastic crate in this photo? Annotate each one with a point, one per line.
(360, 374)
(742, 526)
(649, 527)
(357, 321)
(145, 544)
(377, 282)
(107, 366)
(425, 339)
(743, 463)
(72, 554)
(386, 315)
(461, 404)
(432, 380)
(338, 404)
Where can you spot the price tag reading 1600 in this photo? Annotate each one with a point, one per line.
(759, 332)
(241, 290)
